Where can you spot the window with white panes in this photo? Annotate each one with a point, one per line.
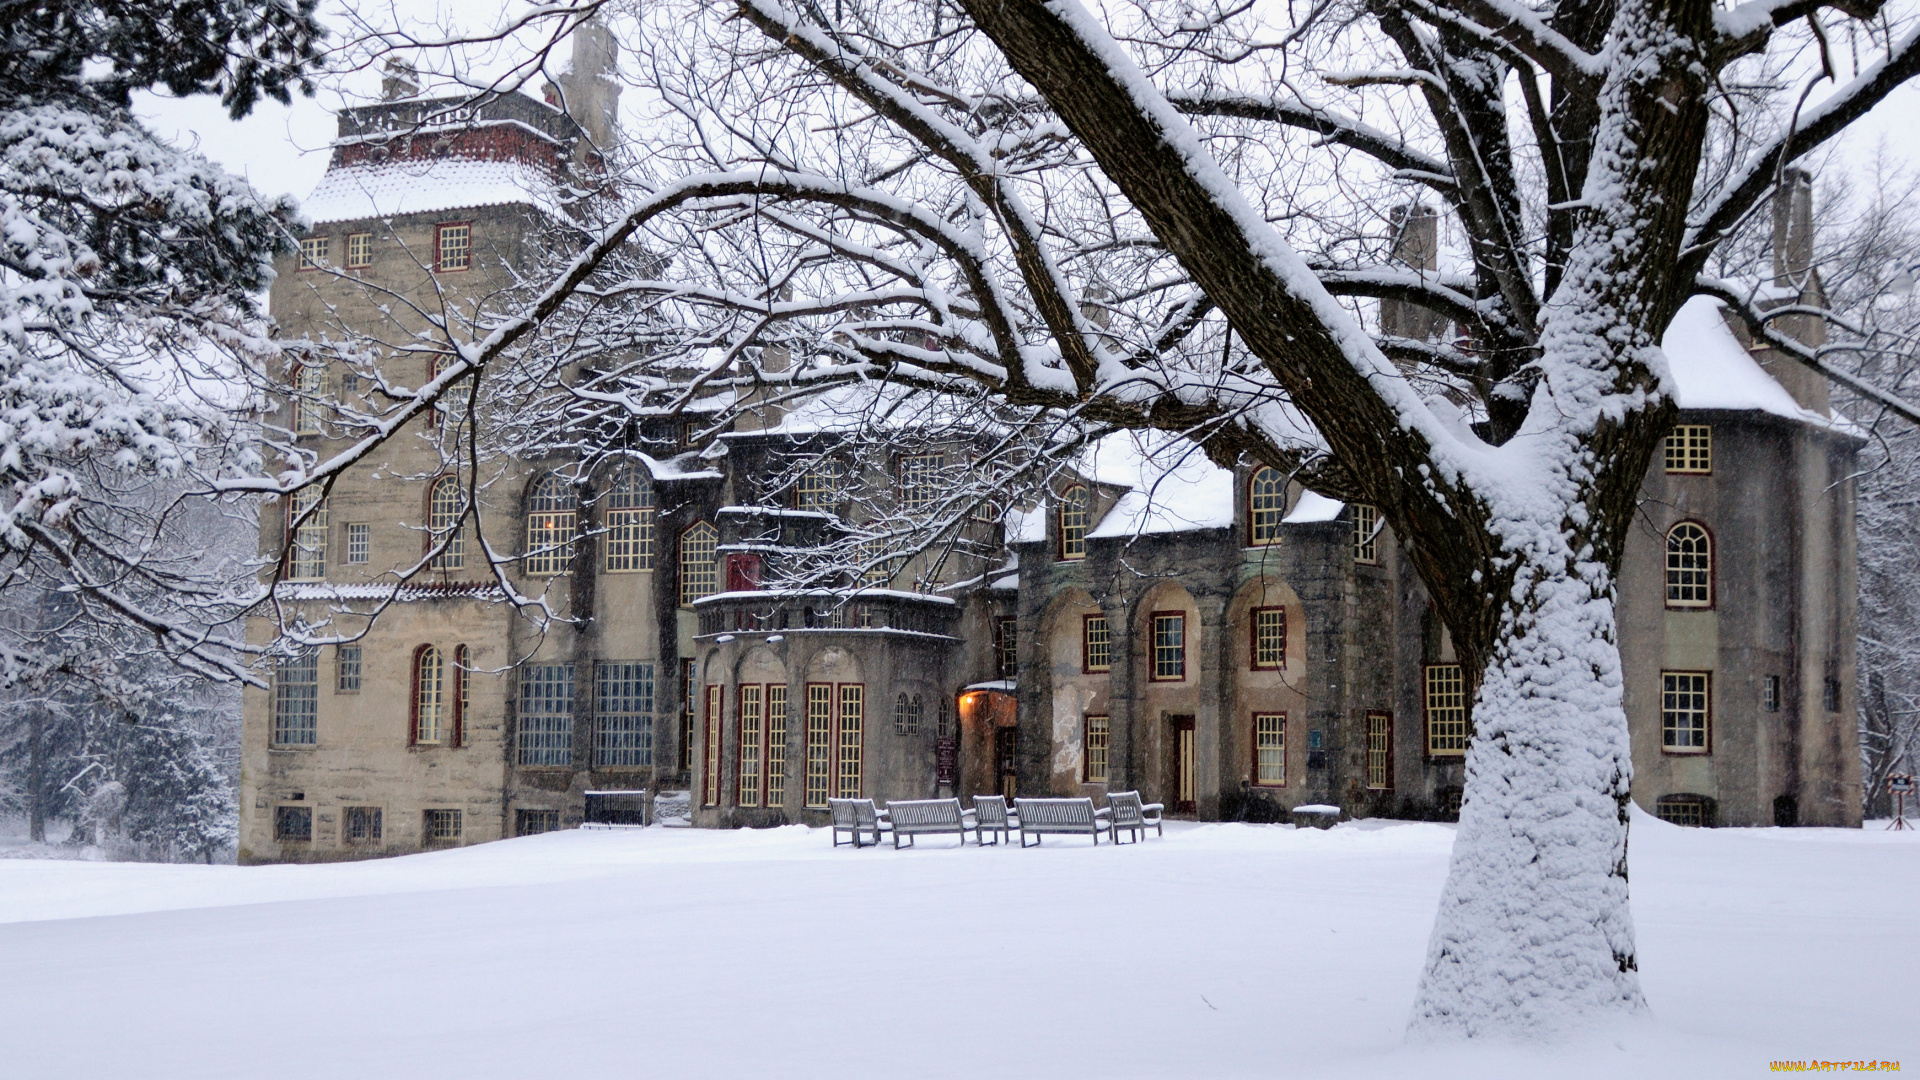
(1366, 533)
(1684, 711)
(1270, 749)
(630, 523)
(1169, 646)
(623, 714)
(307, 518)
(359, 543)
(818, 487)
(1689, 449)
(1266, 505)
(699, 562)
(552, 518)
(453, 246)
(296, 699)
(346, 669)
(1446, 703)
(545, 735)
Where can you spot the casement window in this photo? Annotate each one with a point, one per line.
(1266, 505)
(906, 714)
(360, 824)
(1169, 646)
(535, 822)
(623, 714)
(819, 741)
(1830, 695)
(848, 742)
(920, 477)
(552, 518)
(1076, 511)
(1096, 644)
(441, 825)
(753, 726)
(1685, 712)
(430, 707)
(545, 735)
(1379, 751)
(296, 699)
(836, 719)
(1689, 566)
(346, 669)
(1006, 647)
(1770, 693)
(818, 487)
(1098, 739)
(313, 253)
(684, 755)
(359, 543)
(710, 758)
(699, 562)
(307, 521)
(452, 246)
(1690, 449)
(309, 399)
(1693, 811)
(1446, 706)
(445, 506)
(1269, 631)
(777, 716)
(630, 523)
(359, 250)
(293, 824)
(1270, 749)
(1366, 533)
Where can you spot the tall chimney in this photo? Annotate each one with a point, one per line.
(1793, 229)
(1416, 244)
(591, 88)
(399, 80)
(1796, 281)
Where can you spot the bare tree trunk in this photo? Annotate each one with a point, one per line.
(36, 777)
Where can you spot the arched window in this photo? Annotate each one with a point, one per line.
(699, 566)
(630, 520)
(429, 696)
(551, 518)
(900, 707)
(1266, 505)
(444, 506)
(307, 520)
(1075, 505)
(462, 686)
(1689, 566)
(309, 384)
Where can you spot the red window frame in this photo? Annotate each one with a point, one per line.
(1086, 645)
(1253, 638)
(1153, 647)
(440, 226)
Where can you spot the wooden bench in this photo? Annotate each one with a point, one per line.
(991, 815)
(1041, 816)
(857, 817)
(912, 817)
(1126, 811)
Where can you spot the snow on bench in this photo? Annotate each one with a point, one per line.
(858, 817)
(1041, 816)
(911, 817)
(1315, 815)
(991, 815)
(1126, 811)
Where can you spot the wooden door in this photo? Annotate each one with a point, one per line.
(1184, 762)
(1006, 758)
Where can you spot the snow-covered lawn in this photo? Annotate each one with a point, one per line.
(1218, 951)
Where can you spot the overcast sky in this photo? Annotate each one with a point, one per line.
(283, 149)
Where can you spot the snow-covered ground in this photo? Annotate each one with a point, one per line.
(1218, 951)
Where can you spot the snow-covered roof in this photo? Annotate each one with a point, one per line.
(359, 192)
(1712, 370)
(1171, 486)
(1312, 508)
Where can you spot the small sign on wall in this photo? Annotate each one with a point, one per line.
(946, 758)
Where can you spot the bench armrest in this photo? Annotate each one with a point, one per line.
(1103, 812)
(1153, 808)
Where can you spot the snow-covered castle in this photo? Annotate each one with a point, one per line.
(1223, 640)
